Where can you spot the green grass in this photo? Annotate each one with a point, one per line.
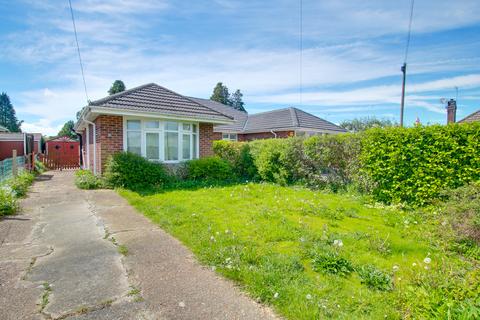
(282, 245)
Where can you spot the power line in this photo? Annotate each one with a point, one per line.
(301, 53)
(78, 50)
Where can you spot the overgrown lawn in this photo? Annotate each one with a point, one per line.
(315, 255)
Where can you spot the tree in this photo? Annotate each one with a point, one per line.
(67, 130)
(8, 118)
(117, 86)
(362, 124)
(237, 102)
(220, 94)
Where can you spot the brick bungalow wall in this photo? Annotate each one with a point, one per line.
(265, 135)
(207, 136)
(109, 138)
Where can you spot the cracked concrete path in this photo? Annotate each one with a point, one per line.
(59, 259)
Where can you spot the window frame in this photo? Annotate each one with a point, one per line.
(229, 136)
(161, 133)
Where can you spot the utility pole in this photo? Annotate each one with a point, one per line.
(402, 105)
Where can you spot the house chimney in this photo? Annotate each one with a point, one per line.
(451, 111)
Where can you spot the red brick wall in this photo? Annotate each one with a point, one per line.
(265, 135)
(207, 136)
(109, 138)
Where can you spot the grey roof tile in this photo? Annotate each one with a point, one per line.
(154, 98)
(472, 117)
(239, 116)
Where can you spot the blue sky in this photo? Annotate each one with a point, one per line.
(352, 53)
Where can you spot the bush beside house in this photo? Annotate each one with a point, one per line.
(13, 189)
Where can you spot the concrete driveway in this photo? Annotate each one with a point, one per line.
(74, 254)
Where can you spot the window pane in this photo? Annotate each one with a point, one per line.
(152, 124)
(194, 127)
(225, 136)
(134, 142)
(233, 136)
(187, 127)
(170, 125)
(171, 146)
(133, 124)
(194, 143)
(186, 146)
(153, 146)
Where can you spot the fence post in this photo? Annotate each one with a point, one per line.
(14, 163)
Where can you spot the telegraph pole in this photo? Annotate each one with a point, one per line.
(402, 105)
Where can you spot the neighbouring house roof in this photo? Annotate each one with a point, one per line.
(240, 117)
(472, 117)
(152, 99)
(281, 119)
(3, 129)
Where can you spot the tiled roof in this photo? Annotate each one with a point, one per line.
(288, 118)
(154, 98)
(472, 117)
(239, 116)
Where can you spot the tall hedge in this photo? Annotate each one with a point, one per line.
(414, 164)
(411, 165)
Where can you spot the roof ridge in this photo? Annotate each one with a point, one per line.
(293, 114)
(119, 94)
(276, 110)
(310, 114)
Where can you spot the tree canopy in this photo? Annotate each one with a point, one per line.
(117, 86)
(67, 130)
(222, 95)
(8, 118)
(362, 124)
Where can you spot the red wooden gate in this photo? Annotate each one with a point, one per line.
(61, 153)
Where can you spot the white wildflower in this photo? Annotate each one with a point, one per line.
(275, 296)
(414, 264)
(338, 243)
(212, 238)
(427, 260)
(395, 268)
(308, 296)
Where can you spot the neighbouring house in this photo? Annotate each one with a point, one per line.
(280, 123)
(452, 113)
(3, 129)
(148, 120)
(10, 141)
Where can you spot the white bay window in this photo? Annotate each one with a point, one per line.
(157, 140)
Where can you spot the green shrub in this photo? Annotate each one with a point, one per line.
(39, 167)
(414, 165)
(8, 201)
(332, 160)
(211, 169)
(132, 171)
(278, 160)
(239, 156)
(374, 278)
(85, 179)
(331, 262)
(20, 184)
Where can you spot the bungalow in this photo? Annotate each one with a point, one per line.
(148, 120)
(280, 123)
(162, 125)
